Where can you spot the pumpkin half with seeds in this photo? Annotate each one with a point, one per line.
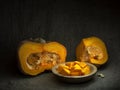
(36, 56)
(93, 50)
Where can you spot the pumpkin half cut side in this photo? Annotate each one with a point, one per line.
(35, 57)
(93, 50)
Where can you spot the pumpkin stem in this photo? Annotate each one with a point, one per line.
(39, 40)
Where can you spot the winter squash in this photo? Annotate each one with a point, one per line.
(93, 50)
(36, 56)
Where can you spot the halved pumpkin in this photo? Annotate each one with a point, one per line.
(93, 50)
(36, 57)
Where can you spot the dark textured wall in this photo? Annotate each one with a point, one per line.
(58, 20)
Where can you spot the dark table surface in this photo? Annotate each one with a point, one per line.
(66, 22)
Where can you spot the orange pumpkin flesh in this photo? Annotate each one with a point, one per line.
(93, 50)
(36, 57)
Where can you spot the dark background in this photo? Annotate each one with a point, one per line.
(66, 22)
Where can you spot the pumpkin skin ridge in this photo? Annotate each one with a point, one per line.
(22, 62)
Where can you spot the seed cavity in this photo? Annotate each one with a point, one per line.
(95, 52)
(36, 60)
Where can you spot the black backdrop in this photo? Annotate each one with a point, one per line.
(66, 22)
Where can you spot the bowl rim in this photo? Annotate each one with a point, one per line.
(54, 71)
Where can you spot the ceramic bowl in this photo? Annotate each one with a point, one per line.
(75, 79)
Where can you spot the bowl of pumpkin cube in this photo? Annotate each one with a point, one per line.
(74, 71)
